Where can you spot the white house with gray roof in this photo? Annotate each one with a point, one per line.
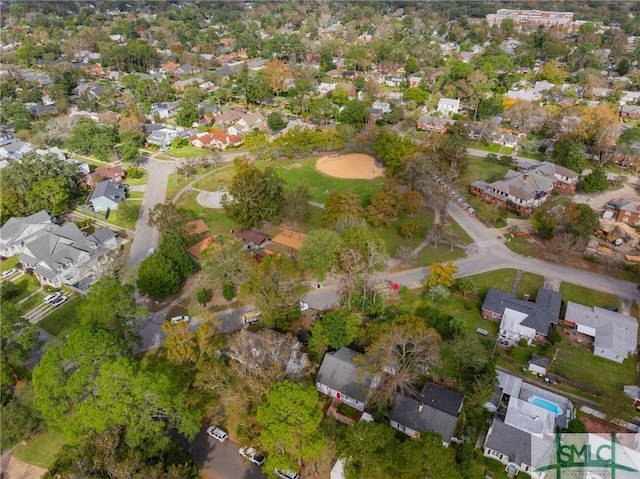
(448, 106)
(15, 150)
(524, 413)
(17, 232)
(65, 255)
(339, 378)
(107, 195)
(614, 334)
(162, 137)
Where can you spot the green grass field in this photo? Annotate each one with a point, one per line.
(137, 181)
(499, 279)
(529, 284)
(588, 297)
(481, 169)
(62, 317)
(9, 263)
(187, 151)
(30, 303)
(41, 450)
(135, 195)
(26, 285)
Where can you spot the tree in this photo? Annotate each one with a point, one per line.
(275, 121)
(354, 113)
(128, 211)
(368, 450)
(91, 138)
(158, 277)
(296, 206)
(111, 304)
(338, 205)
(408, 229)
(594, 181)
(336, 329)
(441, 274)
(187, 114)
(50, 194)
(438, 294)
(18, 339)
(229, 264)
(173, 248)
(383, 209)
(8, 290)
(170, 218)
(130, 153)
(406, 254)
(544, 222)
(256, 196)
(469, 353)
(570, 152)
(416, 94)
(275, 288)
(553, 72)
(392, 150)
(19, 418)
(203, 296)
(277, 74)
(319, 252)
(290, 417)
(466, 286)
(580, 220)
(404, 349)
(617, 406)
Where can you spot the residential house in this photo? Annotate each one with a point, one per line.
(523, 190)
(18, 231)
(324, 89)
(339, 378)
(180, 85)
(249, 122)
(415, 82)
(82, 89)
(434, 409)
(169, 67)
(165, 110)
(529, 95)
(229, 117)
(506, 139)
(614, 334)
(162, 137)
(393, 81)
(524, 413)
(630, 111)
(222, 140)
(382, 105)
(15, 150)
(375, 114)
(530, 20)
(64, 255)
(521, 318)
(292, 124)
(109, 117)
(256, 64)
(394, 96)
(42, 110)
(101, 173)
(449, 106)
(267, 350)
(434, 123)
(7, 138)
(629, 212)
(107, 195)
(187, 69)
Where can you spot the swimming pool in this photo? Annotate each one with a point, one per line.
(548, 405)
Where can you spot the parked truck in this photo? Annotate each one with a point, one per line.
(605, 236)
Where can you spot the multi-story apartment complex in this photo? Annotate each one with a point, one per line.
(529, 20)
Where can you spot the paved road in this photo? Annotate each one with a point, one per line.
(221, 460)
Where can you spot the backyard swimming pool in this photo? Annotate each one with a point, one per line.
(548, 405)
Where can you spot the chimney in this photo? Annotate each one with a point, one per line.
(420, 407)
(525, 297)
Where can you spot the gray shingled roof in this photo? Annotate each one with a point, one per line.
(14, 226)
(510, 441)
(540, 313)
(339, 373)
(108, 189)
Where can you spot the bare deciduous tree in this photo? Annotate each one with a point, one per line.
(405, 254)
(568, 246)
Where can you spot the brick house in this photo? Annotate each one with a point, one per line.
(629, 212)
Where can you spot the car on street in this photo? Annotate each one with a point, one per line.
(217, 433)
(253, 455)
(303, 305)
(58, 301)
(177, 319)
(287, 474)
(52, 297)
(9, 272)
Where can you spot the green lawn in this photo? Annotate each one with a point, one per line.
(392, 238)
(577, 363)
(115, 220)
(501, 279)
(296, 172)
(26, 285)
(41, 450)
(30, 303)
(534, 155)
(9, 263)
(220, 178)
(588, 297)
(440, 254)
(62, 317)
(135, 195)
(137, 181)
(492, 147)
(529, 284)
(481, 464)
(215, 219)
(187, 151)
(481, 169)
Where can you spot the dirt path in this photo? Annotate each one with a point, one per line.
(13, 468)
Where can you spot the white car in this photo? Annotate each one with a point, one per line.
(60, 300)
(287, 474)
(253, 455)
(9, 272)
(303, 305)
(217, 433)
(177, 319)
(52, 297)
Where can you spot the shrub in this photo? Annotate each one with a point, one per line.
(203, 297)
(523, 342)
(228, 292)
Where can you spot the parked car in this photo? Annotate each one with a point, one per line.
(253, 455)
(60, 300)
(177, 319)
(303, 305)
(52, 297)
(9, 272)
(164, 148)
(217, 433)
(287, 475)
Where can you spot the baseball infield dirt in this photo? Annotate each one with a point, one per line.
(352, 165)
